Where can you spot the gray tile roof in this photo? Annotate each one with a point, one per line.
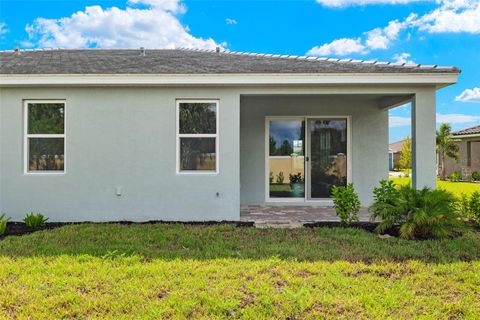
(187, 61)
(467, 131)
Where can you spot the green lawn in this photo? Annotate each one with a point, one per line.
(456, 188)
(181, 271)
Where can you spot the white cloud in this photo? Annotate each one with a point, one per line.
(167, 5)
(230, 21)
(3, 28)
(469, 95)
(452, 16)
(153, 26)
(338, 47)
(396, 121)
(345, 3)
(452, 118)
(455, 118)
(403, 58)
(378, 38)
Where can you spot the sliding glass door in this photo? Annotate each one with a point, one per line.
(306, 157)
(327, 156)
(286, 160)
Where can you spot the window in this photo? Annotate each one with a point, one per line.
(197, 136)
(44, 145)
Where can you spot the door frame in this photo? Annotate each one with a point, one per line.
(304, 200)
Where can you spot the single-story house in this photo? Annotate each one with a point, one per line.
(468, 141)
(395, 153)
(195, 135)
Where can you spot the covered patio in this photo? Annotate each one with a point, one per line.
(295, 147)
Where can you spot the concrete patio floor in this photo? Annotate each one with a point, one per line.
(292, 216)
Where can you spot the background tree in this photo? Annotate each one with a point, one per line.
(446, 147)
(406, 154)
(285, 149)
(273, 146)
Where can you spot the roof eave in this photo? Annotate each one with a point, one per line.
(466, 136)
(438, 79)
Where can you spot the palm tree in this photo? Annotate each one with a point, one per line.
(446, 147)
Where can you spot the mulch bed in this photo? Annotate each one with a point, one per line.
(19, 228)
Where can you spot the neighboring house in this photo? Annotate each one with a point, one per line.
(394, 154)
(468, 141)
(193, 135)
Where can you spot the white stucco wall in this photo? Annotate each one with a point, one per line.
(125, 137)
(119, 137)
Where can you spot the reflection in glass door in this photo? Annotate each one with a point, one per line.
(286, 160)
(326, 156)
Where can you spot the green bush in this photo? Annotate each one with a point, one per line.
(346, 203)
(475, 176)
(469, 207)
(463, 207)
(270, 177)
(35, 220)
(424, 213)
(280, 177)
(384, 205)
(429, 213)
(295, 178)
(3, 223)
(474, 206)
(454, 176)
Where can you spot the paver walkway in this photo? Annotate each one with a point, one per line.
(292, 216)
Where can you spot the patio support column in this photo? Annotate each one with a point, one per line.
(423, 139)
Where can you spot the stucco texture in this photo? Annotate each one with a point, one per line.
(120, 137)
(125, 138)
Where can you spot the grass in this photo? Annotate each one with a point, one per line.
(456, 188)
(183, 271)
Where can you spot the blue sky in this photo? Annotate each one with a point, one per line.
(443, 32)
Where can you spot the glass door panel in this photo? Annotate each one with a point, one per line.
(286, 159)
(327, 156)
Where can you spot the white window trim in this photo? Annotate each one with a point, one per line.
(189, 135)
(26, 136)
(305, 200)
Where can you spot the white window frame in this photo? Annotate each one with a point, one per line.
(199, 135)
(27, 136)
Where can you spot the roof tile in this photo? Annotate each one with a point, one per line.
(188, 61)
(467, 131)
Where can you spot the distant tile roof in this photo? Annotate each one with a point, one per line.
(467, 131)
(396, 146)
(188, 61)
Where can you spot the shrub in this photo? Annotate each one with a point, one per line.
(385, 205)
(35, 220)
(474, 206)
(463, 207)
(295, 178)
(454, 176)
(475, 176)
(280, 177)
(270, 177)
(424, 213)
(3, 223)
(428, 213)
(346, 203)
